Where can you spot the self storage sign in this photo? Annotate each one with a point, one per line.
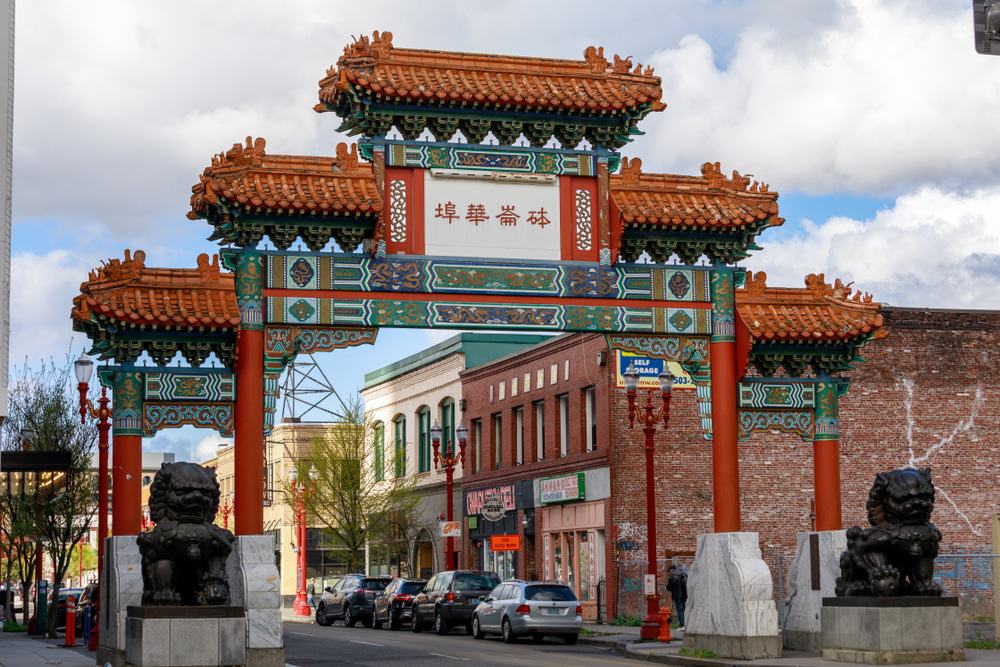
(649, 371)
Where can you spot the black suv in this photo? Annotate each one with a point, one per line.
(350, 600)
(394, 605)
(449, 598)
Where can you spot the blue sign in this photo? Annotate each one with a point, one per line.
(649, 369)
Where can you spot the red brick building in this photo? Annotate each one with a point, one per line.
(923, 397)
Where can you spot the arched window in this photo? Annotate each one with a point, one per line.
(378, 445)
(448, 426)
(399, 446)
(423, 439)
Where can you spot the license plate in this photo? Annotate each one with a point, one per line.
(552, 611)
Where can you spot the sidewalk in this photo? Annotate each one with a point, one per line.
(19, 650)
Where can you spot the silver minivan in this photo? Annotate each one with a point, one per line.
(529, 608)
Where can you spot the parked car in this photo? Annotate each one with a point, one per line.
(14, 596)
(351, 600)
(534, 608)
(449, 598)
(394, 605)
(85, 602)
(59, 607)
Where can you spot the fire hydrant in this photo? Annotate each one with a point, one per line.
(71, 621)
(665, 623)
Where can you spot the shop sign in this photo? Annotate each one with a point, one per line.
(505, 542)
(476, 498)
(451, 529)
(493, 508)
(649, 371)
(562, 489)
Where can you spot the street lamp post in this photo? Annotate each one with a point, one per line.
(299, 492)
(448, 459)
(649, 419)
(84, 370)
(227, 509)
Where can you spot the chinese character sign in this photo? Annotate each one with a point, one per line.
(490, 219)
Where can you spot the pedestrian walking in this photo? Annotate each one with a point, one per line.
(311, 595)
(677, 584)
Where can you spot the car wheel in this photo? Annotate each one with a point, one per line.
(321, 617)
(349, 619)
(417, 625)
(477, 630)
(393, 622)
(439, 625)
(508, 632)
(377, 624)
(367, 621)
(570, 639)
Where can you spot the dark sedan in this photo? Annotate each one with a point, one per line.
(394, 606)
(351, 600)
(449, 598)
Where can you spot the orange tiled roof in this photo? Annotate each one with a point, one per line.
(131, 293)
(709, 200)
(247, 177)
(817, 313)
(591, 85)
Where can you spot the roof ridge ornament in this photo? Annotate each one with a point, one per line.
(347, 158)
(129, 268)
(209, 272)
(755, 283)
(377, 47)
(239, 155)
(631, 171)
(594, 56)
(712, 172)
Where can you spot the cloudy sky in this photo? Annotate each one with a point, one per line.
(875, 120)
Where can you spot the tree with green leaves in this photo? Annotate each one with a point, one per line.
(345, 498)
(44, 415)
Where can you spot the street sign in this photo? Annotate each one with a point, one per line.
(649, 584)
(505, 542)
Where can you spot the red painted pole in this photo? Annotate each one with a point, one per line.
(826, 479)
(651, 623)
(126, 481)
(725, 451)
(449, 486)
(102, 414)
(249, 457)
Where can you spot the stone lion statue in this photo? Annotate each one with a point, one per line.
(184, 556)
(896, 555)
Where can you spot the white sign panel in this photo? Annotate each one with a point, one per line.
(491, 215)
(649, 584)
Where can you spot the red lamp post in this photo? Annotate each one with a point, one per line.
(299, 492)
(84, 369)
(448, 459)
(227, 509)
(649, 419)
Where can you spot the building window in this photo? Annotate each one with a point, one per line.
(539, 430)
(519, 435)
(477, 444)
(563, 424)
(423, 439)
(399, 446)
(448, 426)
(379, 455)
(590, 420)
(497, 441)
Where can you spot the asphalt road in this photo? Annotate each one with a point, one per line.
(309, 644)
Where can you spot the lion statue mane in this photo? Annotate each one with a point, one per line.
(184, 556)
(895, 556)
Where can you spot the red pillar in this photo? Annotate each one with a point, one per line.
(651, 623)
(725, 449)
(249, 455)
(126, 457)
(450, 505)
(826, 457)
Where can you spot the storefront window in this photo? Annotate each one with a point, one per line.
(586, 555)
(501, 562)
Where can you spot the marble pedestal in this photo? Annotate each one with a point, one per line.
(813, 577)
(254, 585)
(121, 586)
(731, 609)
(185, 636)
(891, 631)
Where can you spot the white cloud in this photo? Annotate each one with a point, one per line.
(932, 248)
(208, 445)
(890, 96)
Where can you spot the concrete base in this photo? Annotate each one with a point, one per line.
(121, 586)
(189, 636)
(731, 609)
(265, 657)
(254, 585)
(890, 631)
(813, 577)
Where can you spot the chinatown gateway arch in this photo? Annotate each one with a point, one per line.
(505, 205)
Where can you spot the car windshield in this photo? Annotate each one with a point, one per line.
(374, 584)
(476, 580)
(549, 594)
(412, 587)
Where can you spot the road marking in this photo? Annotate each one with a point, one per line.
(355, 641)
(450, 657)
(300, 634)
